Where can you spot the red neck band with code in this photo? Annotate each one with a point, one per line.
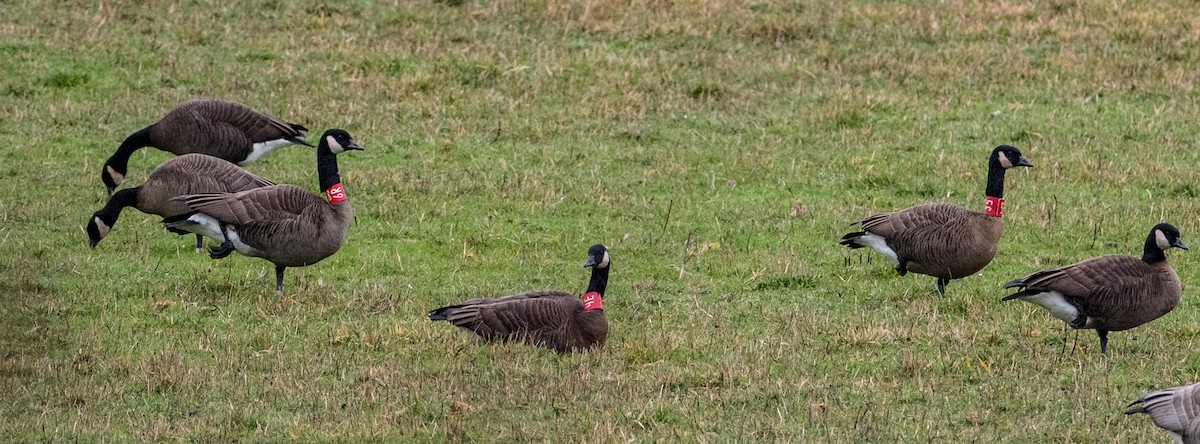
(336, 193)
(994, 206)
(591, 301)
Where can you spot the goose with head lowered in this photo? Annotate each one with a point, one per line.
(1109, 293)
(219, 128)
(557, 320)
(186, 174)
(1176, 410)
(939, 239)
(284, 224)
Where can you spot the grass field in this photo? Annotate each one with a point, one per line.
(719, 149)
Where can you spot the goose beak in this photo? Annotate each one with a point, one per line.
(354, 146)
(92, 243)
(1179, 244)
(590, 262)
(1023, 162)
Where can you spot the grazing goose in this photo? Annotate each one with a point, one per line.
(219, 128)
(284, 224)
(1176, 410)
(1109, 293)
(186, 174)
(939, 239)
(553, 319)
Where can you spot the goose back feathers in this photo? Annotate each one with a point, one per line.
(557, 320)
(186, 174)
(219, 128)
(1176, 410)
(1109, 293)
(938, 239)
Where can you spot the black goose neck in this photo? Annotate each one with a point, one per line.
(120, 159)
(119, 200)
(1151, 254)
(327, 167)
(599, 280)
(995, 179)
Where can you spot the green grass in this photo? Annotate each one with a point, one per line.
(719, 149)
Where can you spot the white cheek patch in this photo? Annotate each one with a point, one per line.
(879, 244)
(1005, 161)
(101, 227)
(1055, 303)
(604, 261)
(114, 175)
(1160, 239)
(334, 146)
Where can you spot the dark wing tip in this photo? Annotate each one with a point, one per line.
(851, 239)
(439, 314)
(1015, 283)
(1136, 410)
(299, 141)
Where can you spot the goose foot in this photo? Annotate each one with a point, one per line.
(221, 251)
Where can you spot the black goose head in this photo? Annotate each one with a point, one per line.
(98, 226)
(597, 257)
(1009, 157)
(1166, 236)
(103, 220)
(337, 141)
(112, 175)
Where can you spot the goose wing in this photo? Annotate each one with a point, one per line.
(1176, 409)
(913, 219)
(213, 173)
(1097, 286)
(937, 237)
(259, 205)
(503, 317)
(237, 120)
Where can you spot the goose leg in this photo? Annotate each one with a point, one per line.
(942, 286)
(279, 280)
(1103, 341)
(199, 243)
(224, 249)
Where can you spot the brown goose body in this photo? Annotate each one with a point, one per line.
(187, 174)
(1176, 410)
(284, 224)
(939, 239)
(1109, 293)
(548, 318)
(226, 130)
(557, 320)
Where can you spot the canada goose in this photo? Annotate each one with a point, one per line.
(554, 319)
(1176, 410)
(939, 239)
(284, 224)
(219, 128)
(186, 174)
(1109, 293)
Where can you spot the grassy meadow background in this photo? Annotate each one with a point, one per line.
(719, 149)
